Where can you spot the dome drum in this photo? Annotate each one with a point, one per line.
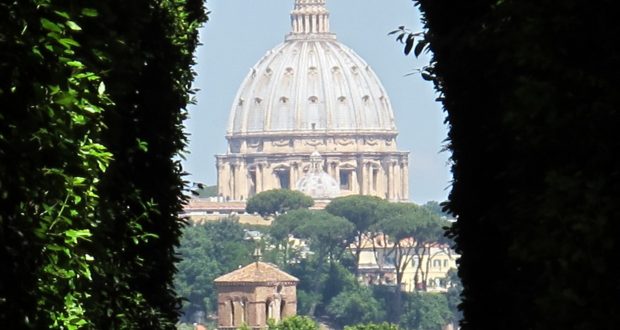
(379, 174)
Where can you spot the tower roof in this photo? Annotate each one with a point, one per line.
(256, 273)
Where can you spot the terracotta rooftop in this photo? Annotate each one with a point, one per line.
(256, 272)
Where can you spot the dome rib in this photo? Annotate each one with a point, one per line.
(344, 67)
(324, 69)
(270, 103)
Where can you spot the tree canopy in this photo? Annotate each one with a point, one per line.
(362, 212)
(295, 323)
(411, 230)
(355, 305)
(208, 251)
(277, 201)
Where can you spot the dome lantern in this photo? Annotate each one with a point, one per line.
(309, 17)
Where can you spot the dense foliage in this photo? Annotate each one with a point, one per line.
(278, 201)
(531, 94)
(425, 311)
(355, 305)
(362, 212)
(295, 323)
(372, 326)
(93, 97)
(208, 251)
(311, 245)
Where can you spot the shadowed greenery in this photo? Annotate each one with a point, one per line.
(93, 95)
(531, 95)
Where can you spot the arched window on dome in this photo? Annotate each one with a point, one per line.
(313, 113)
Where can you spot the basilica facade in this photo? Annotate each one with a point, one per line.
(312, 115)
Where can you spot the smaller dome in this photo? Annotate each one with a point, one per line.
(317, 183)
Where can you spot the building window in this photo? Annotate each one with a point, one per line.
(252, 182)
(232, 313)
(282, 309)
(345, 179)
(284, 178)
(242, 305)
(375, 175)
(268, 310)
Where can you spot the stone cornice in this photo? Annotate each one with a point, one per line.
(313, 134)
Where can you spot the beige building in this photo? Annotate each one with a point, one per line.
(312, 95)
(254, 294)
(376, 266)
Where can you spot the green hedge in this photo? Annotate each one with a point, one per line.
(93, 96)
(531, 94)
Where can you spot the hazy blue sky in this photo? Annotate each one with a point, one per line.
(240, 32)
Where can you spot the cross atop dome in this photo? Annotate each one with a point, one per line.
(310, 17)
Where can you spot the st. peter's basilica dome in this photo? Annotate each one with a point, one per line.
(312, 93)
(311, 82)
